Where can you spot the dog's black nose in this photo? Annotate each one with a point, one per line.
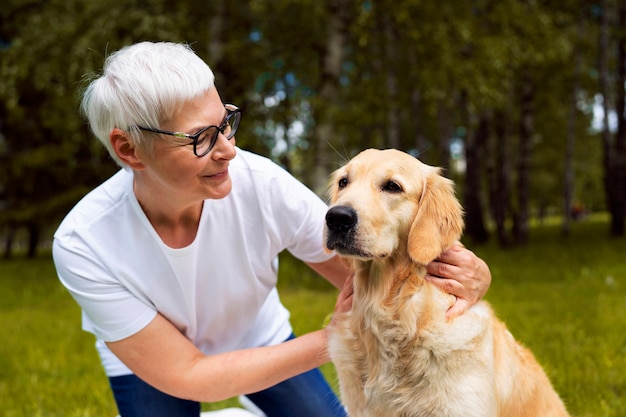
(341, 218)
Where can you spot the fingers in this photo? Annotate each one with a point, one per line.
(342, 305)
(457, 309)
(465, 297)
(458, 255)
(458, 271)
(453, 262)
(344, 299)
(447, 285)
(461, 284)
(442, 269)
(484, 278)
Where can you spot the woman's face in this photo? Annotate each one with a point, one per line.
(175, 171)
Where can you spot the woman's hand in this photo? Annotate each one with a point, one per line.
(338, 272)
(344, 300)
(458, 271)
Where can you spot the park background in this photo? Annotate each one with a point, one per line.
(521, 102)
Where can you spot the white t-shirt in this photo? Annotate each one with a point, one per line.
(220, 291)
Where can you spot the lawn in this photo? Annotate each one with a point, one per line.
(563, 298)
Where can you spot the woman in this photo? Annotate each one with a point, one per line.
(173, 260)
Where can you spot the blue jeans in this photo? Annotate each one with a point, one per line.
(305, 395)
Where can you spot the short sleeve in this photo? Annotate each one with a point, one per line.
(299, 216)
(112, 312)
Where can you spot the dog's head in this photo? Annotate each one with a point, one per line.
(388, 202)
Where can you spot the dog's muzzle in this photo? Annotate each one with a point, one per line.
(341, 222)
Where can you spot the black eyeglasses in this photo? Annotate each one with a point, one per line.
(205, 139)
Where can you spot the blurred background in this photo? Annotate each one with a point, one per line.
(522, 102)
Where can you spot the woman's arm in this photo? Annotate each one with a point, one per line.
(335, 270)
(162, 356)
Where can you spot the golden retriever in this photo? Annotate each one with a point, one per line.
(395, 352)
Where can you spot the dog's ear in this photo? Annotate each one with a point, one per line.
(439, 220)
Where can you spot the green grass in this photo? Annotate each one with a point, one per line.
(565, 299)
(48, 365)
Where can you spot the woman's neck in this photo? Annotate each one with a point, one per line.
(175, 223)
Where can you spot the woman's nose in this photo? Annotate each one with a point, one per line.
(224, 148)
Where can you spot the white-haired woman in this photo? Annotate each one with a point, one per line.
(173, 259)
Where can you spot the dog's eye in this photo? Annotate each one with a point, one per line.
(343, 182)
(392, 187)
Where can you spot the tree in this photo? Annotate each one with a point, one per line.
(320, 81)
(48, 157)
(613, 148)
(498, 174)
(619, 168)
(569, 173)
(526, 132)
(327, 101)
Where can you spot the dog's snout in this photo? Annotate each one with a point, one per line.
(341, 218)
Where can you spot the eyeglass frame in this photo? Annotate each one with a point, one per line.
(231, 110)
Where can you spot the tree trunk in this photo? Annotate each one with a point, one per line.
(34, 232)
(216, 35)
(419, 141)
(608, 156)
(332, 61)
(472, 201)
(445, 134)
(499, 177)
(570, 140)
(603, 45)
(391, 61)
(522, 217)
(8, 242)
(619, 173)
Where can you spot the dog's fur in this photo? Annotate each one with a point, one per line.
(395, 352)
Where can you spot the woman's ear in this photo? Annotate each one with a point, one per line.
(439, 220)
(125, 148)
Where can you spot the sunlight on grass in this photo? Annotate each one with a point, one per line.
(563, 298)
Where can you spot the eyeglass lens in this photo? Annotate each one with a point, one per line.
(207, 139)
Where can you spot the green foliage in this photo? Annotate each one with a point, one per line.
(564, 299)
(458, 59)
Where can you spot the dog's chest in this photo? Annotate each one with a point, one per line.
(410, 356)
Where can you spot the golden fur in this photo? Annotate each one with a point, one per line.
(395, 353)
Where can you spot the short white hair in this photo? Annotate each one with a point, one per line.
(144, 84)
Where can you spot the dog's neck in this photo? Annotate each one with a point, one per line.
(379, 280)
